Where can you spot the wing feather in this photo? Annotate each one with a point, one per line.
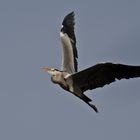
(68, 40)
(103, 74)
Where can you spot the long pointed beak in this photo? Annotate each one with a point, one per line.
(46, 69)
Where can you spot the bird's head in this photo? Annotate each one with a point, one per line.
(51, 71)
(55, 73)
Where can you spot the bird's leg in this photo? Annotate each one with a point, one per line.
(93, 107)
(87, 100)
(90, 104)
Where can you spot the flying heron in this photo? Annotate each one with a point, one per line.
(93, 77)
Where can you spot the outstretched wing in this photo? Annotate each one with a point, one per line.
(68, 40)
(102, 74)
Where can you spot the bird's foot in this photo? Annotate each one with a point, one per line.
(93, 107)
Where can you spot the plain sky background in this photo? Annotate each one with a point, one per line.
(31, 107)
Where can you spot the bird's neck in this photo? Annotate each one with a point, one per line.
(60, 80)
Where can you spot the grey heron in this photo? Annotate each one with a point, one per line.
(93, 77)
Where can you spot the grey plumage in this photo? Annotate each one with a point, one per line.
(67, 35)
(96, 76)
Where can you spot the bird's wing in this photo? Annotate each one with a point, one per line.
(68, 40)
(102, 74)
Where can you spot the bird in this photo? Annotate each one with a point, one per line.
(97, 76)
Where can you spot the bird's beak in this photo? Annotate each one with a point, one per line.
(49, 70)
(45, 69)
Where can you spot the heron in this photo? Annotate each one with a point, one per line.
(77, 82)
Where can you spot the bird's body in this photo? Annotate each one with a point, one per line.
(94, 77)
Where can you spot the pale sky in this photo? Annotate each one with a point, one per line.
(33, 108)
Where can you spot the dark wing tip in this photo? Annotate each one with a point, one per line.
(68, 25)
(69, 20)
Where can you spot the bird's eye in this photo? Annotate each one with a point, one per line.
(52, 69)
